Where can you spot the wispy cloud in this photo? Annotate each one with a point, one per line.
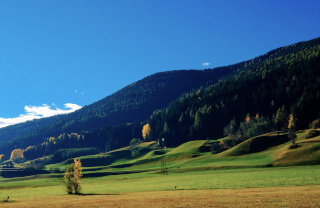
(206, 64)
(36, 112)
(79, 92)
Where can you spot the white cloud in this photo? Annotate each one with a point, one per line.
(36, 112)
(206, 64)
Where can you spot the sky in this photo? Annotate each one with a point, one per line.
(59, 55)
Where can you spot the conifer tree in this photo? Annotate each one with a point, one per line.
(166, 129)
(197, 124)
(280, 120)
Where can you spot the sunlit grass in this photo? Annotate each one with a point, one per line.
(188, 168)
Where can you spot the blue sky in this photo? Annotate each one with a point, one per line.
(76, 52)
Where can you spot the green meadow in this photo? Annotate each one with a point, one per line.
(189, 169)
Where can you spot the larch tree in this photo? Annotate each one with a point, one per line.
(77, 176)
(68, 179)
(17, 155)
(1, 157)
(146, 131)
(72, 177)
(291, 128)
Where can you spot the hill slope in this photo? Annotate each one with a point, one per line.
(288, 76)
(133, 103)
(286, 79)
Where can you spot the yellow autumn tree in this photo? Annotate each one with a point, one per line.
(292, 122)
(72, 177)
(77, 176)
(16, 155)
(291, 128)
(146, 131)
(1, 157)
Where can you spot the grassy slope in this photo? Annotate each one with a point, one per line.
(189, 156)
(189, 169)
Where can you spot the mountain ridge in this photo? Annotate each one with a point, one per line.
(133, 103)
(137, 101)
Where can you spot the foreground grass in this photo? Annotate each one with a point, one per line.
(196, 179)
(152, 181)
(301, 196)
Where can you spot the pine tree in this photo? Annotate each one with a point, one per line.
(166, 129)
(280, 120)
(197, 124)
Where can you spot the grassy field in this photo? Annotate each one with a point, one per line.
(300, 196)
(235, 178)
(211, 187)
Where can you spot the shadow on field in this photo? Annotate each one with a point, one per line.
(20, 172)
(93, 194)
(7, 201)
(121, 166)
(99, 174)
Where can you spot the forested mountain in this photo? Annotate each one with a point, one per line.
(261, 91)
(134, 103)
(284, 81)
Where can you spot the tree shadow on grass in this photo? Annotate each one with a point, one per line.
(94, 194)
(7, 202)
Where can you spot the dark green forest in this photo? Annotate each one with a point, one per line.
(284, 80)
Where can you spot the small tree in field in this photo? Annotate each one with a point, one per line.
(68, 176)
(291, 128)
(72, 177)
(77, 176)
